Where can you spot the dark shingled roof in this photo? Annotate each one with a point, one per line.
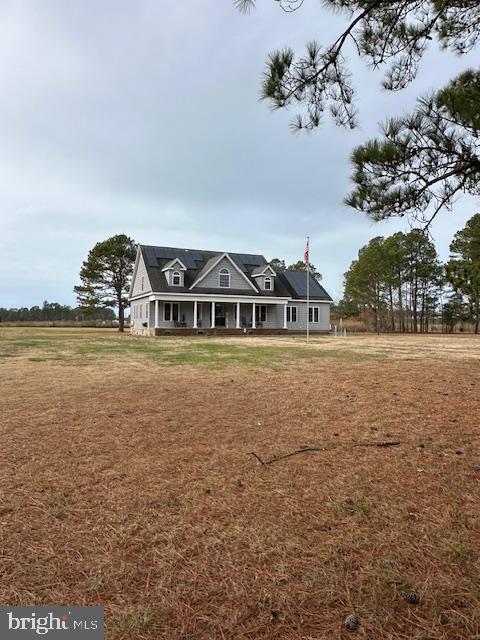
(296, 283)
(287, 283)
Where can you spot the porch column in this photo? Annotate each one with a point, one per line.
(156, 314)
(238, 316)
(212, 324)
(195, 314)
(284, 316)
(254, 323)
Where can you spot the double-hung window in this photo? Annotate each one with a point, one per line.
(313, 314)
(176, 279)
(267, 285)
(224, 278)
(170, 312)
(291, 314)
(261, 313)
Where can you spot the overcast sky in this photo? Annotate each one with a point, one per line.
(143, 118)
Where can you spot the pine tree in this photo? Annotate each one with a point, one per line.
(105, 276)
(463, 268)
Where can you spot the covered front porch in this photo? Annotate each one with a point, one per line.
(218, 315)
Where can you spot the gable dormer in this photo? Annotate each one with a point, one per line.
(265, 278)
(175, 273)
(222, 273)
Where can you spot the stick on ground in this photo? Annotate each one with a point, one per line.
(382, 443)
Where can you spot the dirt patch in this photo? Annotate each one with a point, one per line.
(128, 482)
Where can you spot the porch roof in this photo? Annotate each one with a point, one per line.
(233, 298)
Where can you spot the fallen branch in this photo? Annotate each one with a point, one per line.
(257, 457)
(382, 443)
(286, 455)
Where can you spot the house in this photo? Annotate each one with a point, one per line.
(189, 291)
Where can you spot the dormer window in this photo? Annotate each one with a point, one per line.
(176, 279)
(267, 285)
(224, 278)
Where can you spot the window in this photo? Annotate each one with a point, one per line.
(224, 278)
(176, 279)
(261, 313)
(170, 311)
(313, 314)
(146, 309)
(267, 285)
(291, 314)
(143, 282)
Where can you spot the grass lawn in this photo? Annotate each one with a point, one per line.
(128, 480)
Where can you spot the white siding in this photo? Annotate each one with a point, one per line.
(141, 311)
(137, 283)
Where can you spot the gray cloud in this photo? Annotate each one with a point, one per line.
(143, 118)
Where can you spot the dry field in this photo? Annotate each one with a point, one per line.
(127, 480)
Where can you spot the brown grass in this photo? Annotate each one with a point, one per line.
(127, 482)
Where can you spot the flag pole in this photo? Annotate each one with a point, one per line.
(307, 255)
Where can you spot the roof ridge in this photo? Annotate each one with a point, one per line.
(235, 253)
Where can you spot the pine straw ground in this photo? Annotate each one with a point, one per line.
(127, 481)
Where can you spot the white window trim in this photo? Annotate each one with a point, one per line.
(171, 311)
(289, 313)
(317, 309)
(223, 272)
(258, 309)
(179, 274)
(269, 280)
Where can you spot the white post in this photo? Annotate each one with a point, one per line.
(284, 316)
(195, 314)
(308, 288)
(254, 323)
(156, 314)
(212, 324)
(238, 316)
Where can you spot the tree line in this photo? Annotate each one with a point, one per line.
(400, 283)
(54, 311)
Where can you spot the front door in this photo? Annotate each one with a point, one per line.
(220, 315)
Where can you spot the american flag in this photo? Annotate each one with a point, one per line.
(306, 253)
